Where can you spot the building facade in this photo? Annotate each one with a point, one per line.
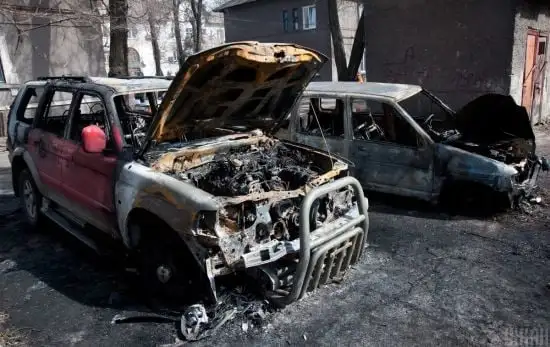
(141, 60)
(462, 49)
(304, 22)
(35, 45)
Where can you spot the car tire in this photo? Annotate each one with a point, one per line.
(162, 270)
(31, 199)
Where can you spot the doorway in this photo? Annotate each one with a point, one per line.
(534, 74)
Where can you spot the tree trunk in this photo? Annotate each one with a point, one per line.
(177, 31)
(118, 50)
(337, 41)
(358, 48)
(196, 8)
(155, 44)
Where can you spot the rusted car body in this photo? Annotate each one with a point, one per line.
(207, 170)
(405, 141)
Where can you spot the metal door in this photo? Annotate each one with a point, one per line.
(534, 74)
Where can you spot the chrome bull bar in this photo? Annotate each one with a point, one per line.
(328, 257)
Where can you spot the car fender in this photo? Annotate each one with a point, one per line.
(471, 167)
(176, 203)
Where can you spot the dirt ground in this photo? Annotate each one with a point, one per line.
(427, 278)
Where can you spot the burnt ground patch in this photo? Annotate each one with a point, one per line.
(425, 279)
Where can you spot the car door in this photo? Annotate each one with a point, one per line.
(46, 138)
(88, 177)
(321, 121)
(389, 153)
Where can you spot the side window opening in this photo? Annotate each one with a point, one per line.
(56, 115)
(27, 109)
(89, 110)
(374, 120)
(322, 116)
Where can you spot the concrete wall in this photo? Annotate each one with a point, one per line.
(536, 17)
(263, 21)
(459, 49)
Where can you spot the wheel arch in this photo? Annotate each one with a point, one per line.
(20, 161)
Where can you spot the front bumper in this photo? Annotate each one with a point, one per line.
(321, 255)
(526, 187)
(317, 257)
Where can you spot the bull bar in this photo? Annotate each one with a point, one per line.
(326, 256)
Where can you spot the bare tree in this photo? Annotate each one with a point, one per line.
(154, 42)
(118, 50)
(346, 71)
(176, 4)
(197, 10)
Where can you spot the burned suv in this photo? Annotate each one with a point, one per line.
(195, 184)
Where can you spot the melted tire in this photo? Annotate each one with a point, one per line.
(27, 190)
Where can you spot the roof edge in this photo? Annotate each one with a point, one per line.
(230, 4)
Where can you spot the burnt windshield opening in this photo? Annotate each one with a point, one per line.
(431, 115)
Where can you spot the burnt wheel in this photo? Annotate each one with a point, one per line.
(30, 199)
(162, 267)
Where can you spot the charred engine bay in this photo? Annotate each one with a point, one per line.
(266, 166)
(253, 169)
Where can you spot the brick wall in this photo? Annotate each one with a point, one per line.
(459, 49)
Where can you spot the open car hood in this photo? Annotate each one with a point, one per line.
(241, 85)
(491, 118)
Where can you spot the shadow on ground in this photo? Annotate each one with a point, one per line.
(61, 262)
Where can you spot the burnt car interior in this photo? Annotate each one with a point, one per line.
(56, 116)
(324, 115)
(135, 118)
(374, 120)
(89, 111)
(437, 121)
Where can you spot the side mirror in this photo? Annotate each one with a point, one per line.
(93, 139)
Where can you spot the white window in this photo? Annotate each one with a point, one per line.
(309, 14)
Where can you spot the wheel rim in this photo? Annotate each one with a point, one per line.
(30, 199)
(164, 273)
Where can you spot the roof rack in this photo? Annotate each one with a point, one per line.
(67, 78)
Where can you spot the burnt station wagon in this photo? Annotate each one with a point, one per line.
(403, 140)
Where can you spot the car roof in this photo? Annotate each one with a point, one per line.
(394, 91)
(119, 85)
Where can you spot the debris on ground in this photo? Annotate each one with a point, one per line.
(198, 322)
(531, 203)
(192, 322)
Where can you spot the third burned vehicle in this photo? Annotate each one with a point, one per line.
(405, 141)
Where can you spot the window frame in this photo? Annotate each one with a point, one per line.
(286, 27)
(295, 19)
(400, 112)
(44, 108)
(305, 14)
(77, 101)
(346, 114)
(24, 103)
